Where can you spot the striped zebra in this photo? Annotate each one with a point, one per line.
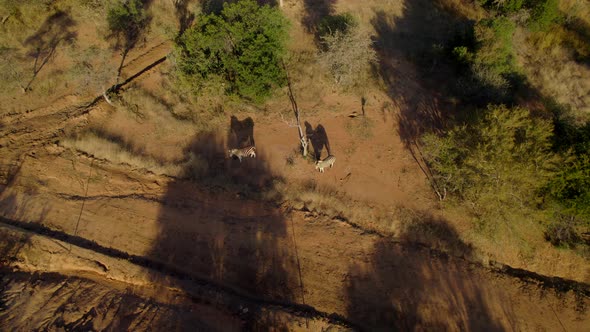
(321, 164)
(249, 151)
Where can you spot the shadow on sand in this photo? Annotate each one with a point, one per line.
(217, 226)
(411, 62)
(411, 287)
(42, 45)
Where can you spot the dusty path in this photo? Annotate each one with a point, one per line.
(23, 132)
(291, 257)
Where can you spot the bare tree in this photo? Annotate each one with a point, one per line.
(303, 139)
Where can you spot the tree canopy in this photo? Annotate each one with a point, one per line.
(242, 45)
(499, 163)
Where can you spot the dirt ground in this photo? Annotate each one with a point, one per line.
(88, 243)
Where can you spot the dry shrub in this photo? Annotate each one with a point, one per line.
(144, 121)
(104, 149)
(348, 56)
(92, 70)
(551, 69)
(328, 201)
(360, 127)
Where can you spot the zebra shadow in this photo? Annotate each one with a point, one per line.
(241, 133)
(318, 138)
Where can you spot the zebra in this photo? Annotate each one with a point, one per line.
(321, 164)
(249, 151)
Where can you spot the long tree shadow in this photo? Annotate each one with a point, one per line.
(216, 225)
(581, 34)
(184, 16)
(128, 23)
(43, 44)
(410, 288)
(319, 139)
(411, 61)
(315, 11)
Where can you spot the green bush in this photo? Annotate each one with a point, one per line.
(498, 164)
(570, 187)
(242, 46)
(487, 62)
(494, 44)
(463, 54)
(545, 13)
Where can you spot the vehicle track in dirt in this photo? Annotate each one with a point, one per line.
(24, 132)
(209, 286)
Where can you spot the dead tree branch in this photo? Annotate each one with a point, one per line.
(302, 137)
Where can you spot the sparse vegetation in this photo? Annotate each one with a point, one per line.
(360, 127)
(103, 148)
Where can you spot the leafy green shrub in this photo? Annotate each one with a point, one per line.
(494, 44)
(544, 14)
(488, 62)
(242, 46)
(497, 165)
(570, 187)
(463, 54)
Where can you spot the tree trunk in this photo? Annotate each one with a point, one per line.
(302, 136)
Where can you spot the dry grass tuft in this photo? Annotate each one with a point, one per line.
(550, 67)
(360, 127)
(104, 149)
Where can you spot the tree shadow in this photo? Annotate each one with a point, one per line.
(216, 225)
(315, 11)
(410, 287)
(184, 16)
(17, 210)
(42, 45)
(581, 31)
(411, 61)
(241, 133)
(319, 139)
(128, 22)
(80, 304)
